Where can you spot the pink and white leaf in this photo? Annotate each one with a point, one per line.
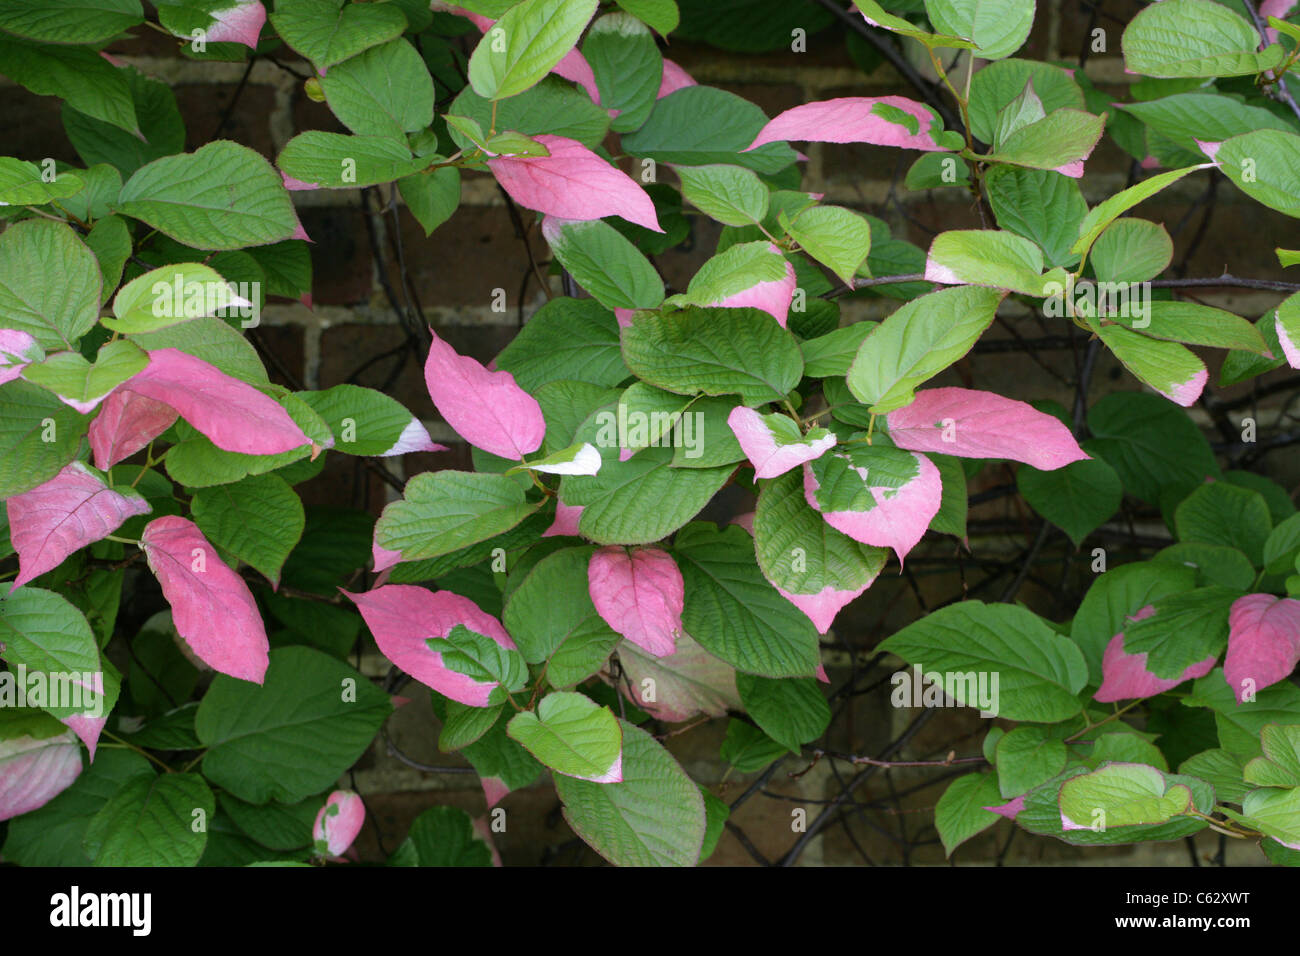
(1125, 676)
(1263, 642)
(487, 409)
(240, 23)
(403, 618)
(60, 517)
(850, 119)
(338, 823)
(822, 607)
(212, 608)
(17, 350)
(900, 517)
(975, 424)
(773, 296)
(772, 454)
(640, 595)
(33, 772)
(414, 437)
(573, 183)
(232, 414)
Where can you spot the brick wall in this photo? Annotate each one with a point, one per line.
(353, 333)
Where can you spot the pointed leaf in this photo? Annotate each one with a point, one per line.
(573, 736)
(1263, 642)
(640, 595)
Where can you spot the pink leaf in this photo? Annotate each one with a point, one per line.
(71, 510)
(674, 79)
(494, 790)
(296, 185)
(900, 516)
(17, 351)
(241, 23)
(383, 557)
(34, 772)
(1274, 8)
(573, 183)
(232, 414)
(338, 822)
(745, 521)
(85, 726)
(487, 409)
(624, 317)
(1208, 147)
(1289, 348)
(1263, 642)
(127, 421)
(403, 618)
(639, 595)
(566, 520)
(212, 608)
(1009, 810)
(769, 456)
(1186, 393)
(974, 424)
(822, 607)
(850, 119)
(1125, 676)
(1073, 169)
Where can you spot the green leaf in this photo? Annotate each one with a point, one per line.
(191, 198)
(748, 749)
(1151, 444)
(1125, 747)
(259, 520)
(330, 31)
(212, 340)
(1240, 725)
(363, 421)
(152, 821)
(1185, 629)
(937, 171)
(1042, 812)
(791, 710)
(52, 834)
(1135, 250)
(605, 263)
(734, 270)
(1026, 108)
(1059, 139)
(1188, 117)
(734, 613)
(24, 184)
(551, 617)
(1122, 795)
(339, 161)
(799, 552)
(837, 238)
(1214, 563)
(38, 436)
(159, 119)
(110, 240)
(443, 511)
(1078, 498)
(628, 68)
(483, 659)
(464, 725)
(997, 84)
(1111, 208)
(732, 195)
(917, 342)
(653, 817)
(1275, 813)
(986, 257)
(70, 21)
(714, 351)
(172, 294)
(572, 735)
(1026, 757)
(877, 16)
(525, 44)
(1042, 205)
(385, 91)
(432, 196)
(552, 106)
(1224, 513)
(77, 75)
(997, 27)
(1194, 38)
(702, 125)
(1039, 672)
(81, 383)
(574, 339)
(444, 836)
(294, 735)
(960, 814)
(662, 16)
(1282, 546)
(830, 355)
(44, 633)
(49, 283)
(1265, 165)
(1279, 766)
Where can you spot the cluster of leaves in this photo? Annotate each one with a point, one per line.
(568, 576)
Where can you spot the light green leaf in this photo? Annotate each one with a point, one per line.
(997, 27)
(49, 283)
(662, 16)
(446, 510)
(338, 161)
(837, 238)
(1172, 370)
(653, 817)
(960, 814)
(918, 342)
(1279, 766)
(1194, 38)
(1265, 165)
(84, 385)
(572, 735)
(44, 633)
(432, 195)
(525, 44)
(170, 295)
(1026, 757)
(1122, 795)
(330, 31)
(733, 195)
(1133, 250)
(1110, 209)
(1040, 204)
(987, 257)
